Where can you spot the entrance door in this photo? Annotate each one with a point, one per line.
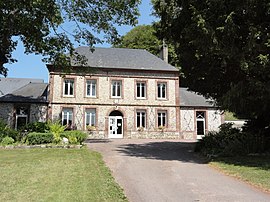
(115, 127)
(200, 119)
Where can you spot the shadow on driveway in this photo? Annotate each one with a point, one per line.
(166, 150)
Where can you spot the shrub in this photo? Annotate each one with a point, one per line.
(6, 131)
(227, 142)
(56, 129)
(7, 140)
(75, 134)
(39, 127)
(39, 138)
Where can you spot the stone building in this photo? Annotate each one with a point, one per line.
(22, 101)
(126, 93)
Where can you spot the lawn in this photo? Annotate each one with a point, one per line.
(56, 175)
(252, 169)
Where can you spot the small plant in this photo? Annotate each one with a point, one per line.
(56, 129)
(140, 129)
(91, 128)
(161, 128)
(7, 140)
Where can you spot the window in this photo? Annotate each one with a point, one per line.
(140, 89)
(141, 118)
(67, 116)
(200, 119)
(68, 87)
(162, 118)
(161, 90)
(90, 117)
(116, 89)
(91, 88)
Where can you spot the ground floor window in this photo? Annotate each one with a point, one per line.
(90, 117)
(141, 118)
(200, 120)
(67, 117)
(22, 115)
(162, 118)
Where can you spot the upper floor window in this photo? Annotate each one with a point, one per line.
(90, 117)
(162, 118)
(141, 89)
(67, 116)
(116, 89)
(161, 90)
(141, 118)
(69, 87)
(91, 88)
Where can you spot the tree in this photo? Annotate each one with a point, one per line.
(224, 48)
(144, 37)
(39, 24)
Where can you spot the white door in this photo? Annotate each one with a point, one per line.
(115, 127)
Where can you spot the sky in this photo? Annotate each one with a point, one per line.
(31, 66)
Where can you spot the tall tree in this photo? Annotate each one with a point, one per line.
(144, 37)
(39, 25)
(224, 48)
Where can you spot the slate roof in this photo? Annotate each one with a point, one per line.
(23, 90)
(192, 99)
(124, 58)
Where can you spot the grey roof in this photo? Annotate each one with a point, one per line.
(192, 99)
(8, 85)
(123, 58)
(23, 90)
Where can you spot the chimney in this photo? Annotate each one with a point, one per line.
(164, 52)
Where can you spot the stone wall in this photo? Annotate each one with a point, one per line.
(6, 113)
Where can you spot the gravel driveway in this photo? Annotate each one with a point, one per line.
(168, 170)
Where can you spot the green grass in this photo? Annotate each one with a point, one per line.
(56, 175)
(252, 169)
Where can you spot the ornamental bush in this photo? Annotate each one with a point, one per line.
(75, 136)
(39, 127)
(7, 141)
(39, 138)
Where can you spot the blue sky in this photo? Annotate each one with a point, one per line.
(31, 66)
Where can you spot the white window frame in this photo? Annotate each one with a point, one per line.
(142, 89)
(70, 84)
(161, 115)
(90, 113)
(200, 117)
(140, 114)
(116, 84)
(69, 114)
(160, 87)
(92, 83)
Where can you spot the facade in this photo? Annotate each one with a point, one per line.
(127, 93)
(22, 101)
(198, 115)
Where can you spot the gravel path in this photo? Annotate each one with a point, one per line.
(168, 170)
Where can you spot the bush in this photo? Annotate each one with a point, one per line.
(6, 131)
(39, 127)
(7, 140)
(227, 142)
(56, 129)
(75, 136)
(39, 138)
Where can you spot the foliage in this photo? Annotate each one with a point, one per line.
(75, 136)
(229, 116)
(144, 37)
(39, 127)
(224, 51)
(41, 26)
(6, 131)
(56, 129)
(56, 175)
(228, 141)
(39, 138)
(7, 140)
